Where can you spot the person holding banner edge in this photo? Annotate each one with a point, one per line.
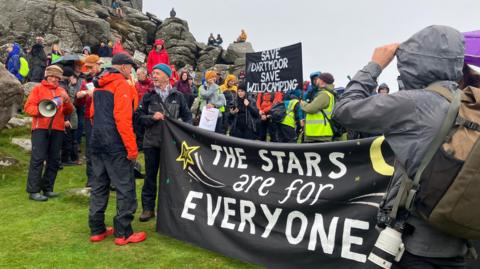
(435, 54)
(160, 102)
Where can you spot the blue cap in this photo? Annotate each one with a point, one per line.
(164, 68)
(314, 75)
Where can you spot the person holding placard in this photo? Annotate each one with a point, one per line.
(212, 97)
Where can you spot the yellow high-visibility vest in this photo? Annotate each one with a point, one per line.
(316, 124)
(289, 119)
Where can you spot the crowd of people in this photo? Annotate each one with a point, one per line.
(121, 116)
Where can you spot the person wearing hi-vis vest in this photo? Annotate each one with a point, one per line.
(212, 97)
(318, 105)
(287, 130)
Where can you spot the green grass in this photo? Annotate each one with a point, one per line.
(55, 234)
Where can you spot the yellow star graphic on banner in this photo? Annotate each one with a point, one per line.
(186, 155)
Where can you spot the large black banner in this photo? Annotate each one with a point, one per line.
(275, 70)
(272, 204)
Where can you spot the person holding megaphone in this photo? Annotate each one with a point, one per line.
(48, 104)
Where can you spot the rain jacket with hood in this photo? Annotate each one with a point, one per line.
(37, 62)
(229, 92)
(47, 91)
(155, 57)
(112, 112)
(13, 61)
(410, 119)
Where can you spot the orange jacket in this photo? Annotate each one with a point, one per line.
(43, 91)
(123, 106)
(265, 101)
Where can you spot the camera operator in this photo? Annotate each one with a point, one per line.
(410, 120)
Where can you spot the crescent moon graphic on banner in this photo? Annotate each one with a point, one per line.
(378, 162)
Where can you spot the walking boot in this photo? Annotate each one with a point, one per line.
(50, 194)
(146, 216)
(37, 197)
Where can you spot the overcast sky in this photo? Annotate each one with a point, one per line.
(338, 36)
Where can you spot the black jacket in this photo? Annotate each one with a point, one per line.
(246, 117)
(37, 61)
(175, 106)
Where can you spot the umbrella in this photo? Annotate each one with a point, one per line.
(472, 48)
(68, 58)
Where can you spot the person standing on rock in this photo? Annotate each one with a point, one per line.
(13, 60)
(47, 134)
(158, 55)
(113, 152)
(37, 61)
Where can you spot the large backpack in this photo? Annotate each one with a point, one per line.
(445, 190)
(337, 128)
(278, 112)
(24, 69)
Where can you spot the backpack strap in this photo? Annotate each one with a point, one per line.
(408, 187)
(448, 122)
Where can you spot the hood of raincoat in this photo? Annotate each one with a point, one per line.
(433, 54)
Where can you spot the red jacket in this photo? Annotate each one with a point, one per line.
(143, 87)
(155, 58)
(85, 101)
(123, 107)
(48, 91)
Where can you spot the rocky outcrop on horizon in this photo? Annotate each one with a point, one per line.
(74, 26)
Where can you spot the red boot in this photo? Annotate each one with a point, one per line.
(134, 238)
(100, 237)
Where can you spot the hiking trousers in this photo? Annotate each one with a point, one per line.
(46, 146)
(119, 169)
(149, 190)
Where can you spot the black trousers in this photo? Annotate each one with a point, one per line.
(150, 183)
(286, 134)
(69, 146)
(80, 110)
(267, 127)
(46, 146)
(88, 134)
(120, 170)
(410, 261)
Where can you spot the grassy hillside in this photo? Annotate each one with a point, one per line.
(55, 234)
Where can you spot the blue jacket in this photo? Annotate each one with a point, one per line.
(13, 62)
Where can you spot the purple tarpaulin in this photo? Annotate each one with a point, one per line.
(472, 48)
